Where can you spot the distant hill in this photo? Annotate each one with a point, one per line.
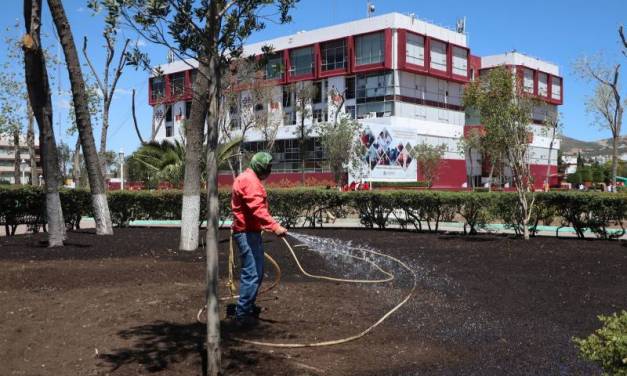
(571, 146)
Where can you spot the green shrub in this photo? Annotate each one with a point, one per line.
(607, 346)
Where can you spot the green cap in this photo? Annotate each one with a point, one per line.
(261, 163)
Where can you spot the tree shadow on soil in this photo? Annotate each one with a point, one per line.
(157, 346)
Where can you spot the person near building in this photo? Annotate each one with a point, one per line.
(251, 215)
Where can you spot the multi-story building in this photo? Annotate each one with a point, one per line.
(400, 77)
(7, 160)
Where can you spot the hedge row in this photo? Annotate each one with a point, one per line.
(419, 210)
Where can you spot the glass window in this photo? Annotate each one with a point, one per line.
(188, 109)
(169, 131)
(274, 67)
(543, 84)
(287, 97)
(415, 49)
(438, 55)
(333, 55)
(460, 61)
(320, 116)
(374, 109)
(301, 60)
(349, 82)
(374, 85)
(528, 80)
(369, 49)
(350, 110)
(556, 88)
(168, 114)
(318, 96)
(157, 88)
(177, 84)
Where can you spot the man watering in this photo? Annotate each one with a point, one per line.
(251, 216)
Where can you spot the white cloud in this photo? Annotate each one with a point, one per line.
(140, 42)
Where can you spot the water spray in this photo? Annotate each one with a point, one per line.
(366, 256)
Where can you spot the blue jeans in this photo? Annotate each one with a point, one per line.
(250, 247)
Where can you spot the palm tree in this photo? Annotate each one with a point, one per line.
(167, 159)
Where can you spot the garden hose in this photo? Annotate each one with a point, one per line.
(364, 251)
(356, 336)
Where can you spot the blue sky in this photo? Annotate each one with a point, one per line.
(554, 30)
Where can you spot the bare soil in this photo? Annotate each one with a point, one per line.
(485, 305)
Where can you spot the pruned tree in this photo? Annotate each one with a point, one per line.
(470, 144)
(83, 120)
(428, 158)
(211, 32)
(107, 83)
(506, 114)
(606, 104)
(552, 128)
(36, 76)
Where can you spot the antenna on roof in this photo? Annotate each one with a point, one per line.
(461, 25)
(170, 56)
(370, 9)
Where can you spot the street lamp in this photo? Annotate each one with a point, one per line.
(23, 165)
(121, 154)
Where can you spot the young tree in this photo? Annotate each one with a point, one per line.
(37, 83)
(606, 103)
(213, 33)
(471, 144)
(506, 113)
(83, 120)
(341, 146)
(428, 158)
(552, 129)
(107, 84)
(304, 93)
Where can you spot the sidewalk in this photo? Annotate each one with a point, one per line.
(455, 227)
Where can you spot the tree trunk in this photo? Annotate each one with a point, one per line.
(302, 145)
(548, 164)
(194, 135)
(213, 215)
(83, 120)
(103, 137)
(39, 96)
(614, 158)
(490, 177)
(17, 170)
(76, 163)
(30, 141)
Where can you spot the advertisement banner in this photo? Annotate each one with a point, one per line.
(388, 152)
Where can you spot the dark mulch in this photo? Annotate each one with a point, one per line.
(126, 305)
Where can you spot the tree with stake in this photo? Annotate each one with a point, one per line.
(506, 113)
(83, 120)
(37, 83)
(212, 32)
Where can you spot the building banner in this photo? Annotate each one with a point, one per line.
(388, 155)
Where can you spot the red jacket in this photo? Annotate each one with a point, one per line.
(249, 204)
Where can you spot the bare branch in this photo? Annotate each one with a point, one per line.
(119, 68)
(135, 120)
(623, 39)
(91, 66)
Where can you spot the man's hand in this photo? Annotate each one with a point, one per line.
(280, 231)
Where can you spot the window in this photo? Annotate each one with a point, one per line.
(438, 55)
(287, 97)
(157, 88)
(301, 60)
(415, 49)
(318, 96)
(350, 110)
(274, 67)
(374, 86)
(527, 80)
(289, 118)
(177, 83)
(543, 84)
(460, 61)
(350, 87)
(556, 88)
(369, 49)
(320, 116)
(333, 55)
(169, 131)
(188, 109)
(168, 114)
(375, 109)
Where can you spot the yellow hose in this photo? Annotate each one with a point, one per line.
(346, 339)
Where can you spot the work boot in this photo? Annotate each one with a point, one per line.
(246, 322)
(256, 311)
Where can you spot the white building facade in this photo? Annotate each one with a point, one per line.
(401, 78)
